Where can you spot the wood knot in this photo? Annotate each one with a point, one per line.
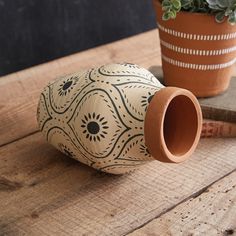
(229, 232)
(34, 215)
(9, 185)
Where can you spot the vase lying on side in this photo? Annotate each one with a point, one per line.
(197, 52)
(117, 117)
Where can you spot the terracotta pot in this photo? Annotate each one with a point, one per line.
(117, 117)
(197, 53)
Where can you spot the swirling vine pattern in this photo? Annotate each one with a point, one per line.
(97, 116)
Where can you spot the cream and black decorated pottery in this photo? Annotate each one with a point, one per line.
(97, 116)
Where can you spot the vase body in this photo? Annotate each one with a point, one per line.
(197, 52)
(98, 116)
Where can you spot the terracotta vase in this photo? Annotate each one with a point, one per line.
(118, 117)
(197, 52)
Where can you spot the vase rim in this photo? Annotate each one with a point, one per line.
(158, 137)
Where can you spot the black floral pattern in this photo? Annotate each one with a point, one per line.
(146, 100)
(130, 65)
(144, 150)
(96, 135)
(66, 86)
(66, 150)
(94, 126)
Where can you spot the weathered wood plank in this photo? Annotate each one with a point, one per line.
(44, 193)
(20, 91)
(213, 212)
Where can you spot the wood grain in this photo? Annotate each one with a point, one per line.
(43, 192)
(20, 91)
(218, 129)
(213, 212)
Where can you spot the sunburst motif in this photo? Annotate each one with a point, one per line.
(66, 86)
(144, 150)
(94, 126)
(146, 100)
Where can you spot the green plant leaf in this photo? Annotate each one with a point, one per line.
(166, 16)
(220, 17)
(221, 9)
(172, 14)
(166, 8)
(232, 18)
(176, 4)
(166, 4)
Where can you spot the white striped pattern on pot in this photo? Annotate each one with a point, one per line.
(197, 52)
(211, 37)
(198, 66)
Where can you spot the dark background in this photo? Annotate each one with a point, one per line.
(36, 31)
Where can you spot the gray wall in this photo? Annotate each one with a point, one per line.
(36, 31)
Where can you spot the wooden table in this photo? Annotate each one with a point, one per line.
(43, 192)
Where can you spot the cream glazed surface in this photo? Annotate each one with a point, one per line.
(97, 116)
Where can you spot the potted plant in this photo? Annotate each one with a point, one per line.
(198, 43)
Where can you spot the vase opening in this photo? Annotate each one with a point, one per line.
(180, 125)
(173, 124)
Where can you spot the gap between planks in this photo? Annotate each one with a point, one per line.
(148, 229)
(42, 192)
(213, 212)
